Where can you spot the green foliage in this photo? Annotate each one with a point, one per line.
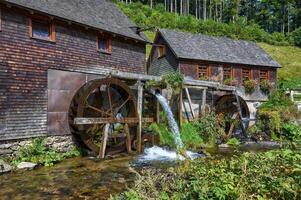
(269, 121)
(270, 175)
(240, 28)
(250, 86)
(166, 136)
(265, 86)
(190, 135)
(230, 82)
(296, 37)
(209, 128)
(174, 81)
(275, 117)
(38, 152)
(233, 142)
(291, 131)
(289, 57)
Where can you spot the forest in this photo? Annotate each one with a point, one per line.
(272, 15)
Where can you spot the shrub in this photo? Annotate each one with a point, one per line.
(270, 122)
(269, 175)
(190, 135)
(291, 131)
(233, 142)
(265, 86)
(230, 82)
(174, 81)
(38, 152)
(209, 128)
(250, 86)
(296, 37)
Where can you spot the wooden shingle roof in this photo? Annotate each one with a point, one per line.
(99, 14)
(216, 49)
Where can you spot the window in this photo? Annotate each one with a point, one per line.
(227, 73)
(41, 27)
(161, 51)
(246, 74)
(104, 44)
(203, 72)
(263, 75)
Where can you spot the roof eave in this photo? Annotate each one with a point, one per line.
(78, 23)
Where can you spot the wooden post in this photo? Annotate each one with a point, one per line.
(190, 102)
(128, 138)
(103, 145)
(180, 108)
(139, 111)
(157, 112)
(204, 101)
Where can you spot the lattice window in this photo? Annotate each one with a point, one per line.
(227, 73)
(203, 72)
(246, 74)
(41, 27)
(263, 75)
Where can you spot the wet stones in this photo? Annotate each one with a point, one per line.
(4, 167)
(26, 166)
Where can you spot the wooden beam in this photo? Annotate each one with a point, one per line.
(204, 101)
(128, 120)
(103, 145)
(139, 111)
(190, 103)
(180, 108)
(128, 138)
(157, 112)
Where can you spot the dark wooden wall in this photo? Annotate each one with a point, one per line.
(24, 63)
(164, 65)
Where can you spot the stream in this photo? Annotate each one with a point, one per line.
(88, 178)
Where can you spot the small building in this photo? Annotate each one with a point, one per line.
(214, 59)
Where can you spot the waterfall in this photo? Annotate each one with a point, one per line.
(171, 120)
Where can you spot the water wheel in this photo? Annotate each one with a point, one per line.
(103, 113)
(227, 106)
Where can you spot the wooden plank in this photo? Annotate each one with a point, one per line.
(180, 108)
(139, 111)
(103, 145)
(128, 120)
(128, 138)
(190, 102)
(204, 101)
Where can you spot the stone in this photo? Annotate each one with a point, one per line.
(26, 165)
(4, 167)
(223, 146)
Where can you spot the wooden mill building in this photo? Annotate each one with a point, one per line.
(214, 59)
(48, 50)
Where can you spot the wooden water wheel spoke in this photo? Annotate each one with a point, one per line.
(97, 109)
(117, 109)
(110, 100)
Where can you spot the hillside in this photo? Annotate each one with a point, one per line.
(290, 59)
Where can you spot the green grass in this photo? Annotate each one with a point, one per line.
(289, 57)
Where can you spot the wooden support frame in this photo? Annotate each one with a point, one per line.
(204, 98)
(139, 111)
(180, 108)
(128, 138)
(190, 103)
(103, 145)
(128, 120)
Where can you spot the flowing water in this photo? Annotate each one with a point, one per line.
(171, 120)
